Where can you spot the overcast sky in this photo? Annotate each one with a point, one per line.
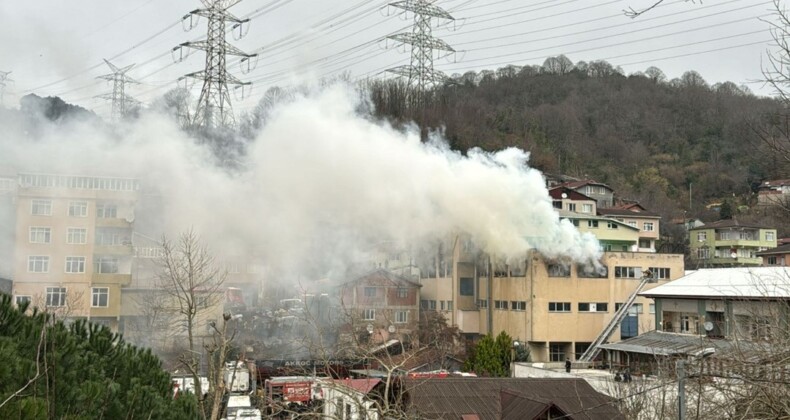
(55, 47)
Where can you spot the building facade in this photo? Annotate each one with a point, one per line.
(730, 243)
(73, 249)
(779, 256)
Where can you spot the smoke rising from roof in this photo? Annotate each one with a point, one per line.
(321, 184)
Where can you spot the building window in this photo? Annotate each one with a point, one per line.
(22, 299)
(449, 305)
(105, 265)
(77, 236)
(403, 292)
(559, 270)
(769, 236)
(75, 264)
(592, 223)
(369, 314)
(482, 303)
(78, 208)
(559, 306)
(441, 305)
(40, 235)
(647, 226)
(575, 222)
(652, 308)
(587, 208)
(56, 296)
(106, 211)
(644, 243)
(38, 264)
(571, 206)
(518, 305)
(500, 304)
(590, 272)
(772, 260)
(593, 307)
(627, 272)
(370, 292)
(636, 308)
(100, 297)
(661, 273)
(703, 253)
(467, 286)
(632, 224)
(41, 207)
(401, 317)
(556, 352)
(611, 225)
(702, 236)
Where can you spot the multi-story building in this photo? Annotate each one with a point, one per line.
(73, 249)
(555, 306)
(729, 243)
(774, 193)
(645, 222)
(382, 303)
(601, 193)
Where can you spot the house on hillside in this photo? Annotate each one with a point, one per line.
(645, 222)
(567, 199)
(729, 243)
(505, 399)
(711, 310)
(601, 193)
(774, 193)
(382, 304)
(776, 256)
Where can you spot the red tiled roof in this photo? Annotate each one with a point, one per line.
(627, 213)
(556, 193)
(364, 385)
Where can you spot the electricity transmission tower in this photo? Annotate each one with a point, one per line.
(121, 102)
(3, 81)
(214, 108)
(420, 72)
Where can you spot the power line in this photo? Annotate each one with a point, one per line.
(420, 73)
(214, 108)
(120, 100)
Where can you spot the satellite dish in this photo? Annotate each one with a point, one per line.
(708, 326)
(734, 255)
(564, 195)
(391, 329)
(369, 328)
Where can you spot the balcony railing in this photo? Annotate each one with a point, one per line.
(112, 278)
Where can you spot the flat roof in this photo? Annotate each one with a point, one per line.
(735, 282)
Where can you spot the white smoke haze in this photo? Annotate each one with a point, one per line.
(322, 184)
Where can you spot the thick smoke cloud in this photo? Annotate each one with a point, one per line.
(321, 184)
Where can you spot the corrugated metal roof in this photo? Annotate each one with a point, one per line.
(661, 343)
(736, 282)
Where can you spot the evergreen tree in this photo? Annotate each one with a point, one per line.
(725, 212)
(491, 357)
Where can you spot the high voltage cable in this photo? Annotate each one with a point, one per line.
(611, 36)
(618, 15)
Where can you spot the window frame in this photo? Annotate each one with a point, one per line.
(75, 259)
(565, 307)
(518, 305)
(80, 205)
(368, 314)
(402, 292)
(405, 318)
(51, 292)
(96, 292)
(647, 225)
(500, 305)
(44, 260)
(46, 231)
(28, 298)
(71, 232)
(40, 203)
(369, 291)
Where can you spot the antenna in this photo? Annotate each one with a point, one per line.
(420, 72)
(214, 108)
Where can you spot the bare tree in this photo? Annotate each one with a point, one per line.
(192, 282)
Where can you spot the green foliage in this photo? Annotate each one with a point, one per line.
(725, 212)
(79, 371)
(491, 357)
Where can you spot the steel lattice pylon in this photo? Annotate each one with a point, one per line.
(214, 107)
(120, 100)
(3, 81)
(420, 72)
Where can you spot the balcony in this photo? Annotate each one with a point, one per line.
(115, 278)
(112, 250)
(112, 222)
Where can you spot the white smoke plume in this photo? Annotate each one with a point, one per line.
(321, 185)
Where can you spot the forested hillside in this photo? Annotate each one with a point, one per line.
(648, 137)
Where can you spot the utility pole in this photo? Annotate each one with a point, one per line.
(3, 81)
(680, 370)
(420, 72)
(120, 100)
(214, 108)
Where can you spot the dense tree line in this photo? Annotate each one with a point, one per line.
(79, 371)
(652, 139)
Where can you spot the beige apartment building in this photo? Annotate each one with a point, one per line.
(73, 249)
